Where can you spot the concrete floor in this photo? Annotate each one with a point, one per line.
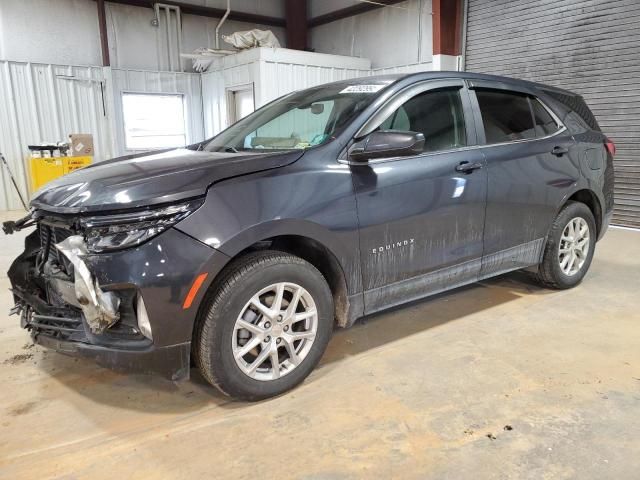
(501, 379)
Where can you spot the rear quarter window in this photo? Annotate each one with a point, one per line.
(545, 123)
(577, 105)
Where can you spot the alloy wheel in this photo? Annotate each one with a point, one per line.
(574, 246)
(275, 331)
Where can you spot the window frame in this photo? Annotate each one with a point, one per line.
(185, 112)
(399, 99)
(508, 89)
(532, 99)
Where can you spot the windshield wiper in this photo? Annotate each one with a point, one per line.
(231, 149)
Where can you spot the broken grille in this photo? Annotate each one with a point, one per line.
(49, 236)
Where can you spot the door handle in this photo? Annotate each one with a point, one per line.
(466, 167)
(559, 151)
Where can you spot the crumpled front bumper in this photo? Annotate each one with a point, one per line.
(161, 271)
(99, 308)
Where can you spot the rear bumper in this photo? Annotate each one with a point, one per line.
(171, 362)
(606, 220)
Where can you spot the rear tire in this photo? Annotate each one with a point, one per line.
(569, 249)
(259, 336)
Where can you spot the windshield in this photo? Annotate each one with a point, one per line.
(297, 121)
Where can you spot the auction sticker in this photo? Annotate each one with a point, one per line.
(362, 89)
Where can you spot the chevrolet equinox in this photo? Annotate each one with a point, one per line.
(241, 252)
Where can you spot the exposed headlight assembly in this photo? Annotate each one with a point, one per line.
(106, 233)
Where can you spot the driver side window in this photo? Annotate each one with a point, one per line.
(436, 114)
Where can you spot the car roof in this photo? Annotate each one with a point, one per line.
(422, 76)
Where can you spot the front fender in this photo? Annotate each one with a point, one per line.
(344, 253)
(306, 201)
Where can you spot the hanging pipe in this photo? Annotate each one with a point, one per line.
(222, 20)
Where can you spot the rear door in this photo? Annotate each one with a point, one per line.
(528, 153)
(421, 220)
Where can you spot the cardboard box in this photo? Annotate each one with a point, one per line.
(81, 144)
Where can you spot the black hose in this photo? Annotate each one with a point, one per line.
(43, 256)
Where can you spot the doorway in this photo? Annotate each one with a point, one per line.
(240, 102)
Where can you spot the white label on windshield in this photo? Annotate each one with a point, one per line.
(362, 89)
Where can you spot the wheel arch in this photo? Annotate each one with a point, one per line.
(590, 199)
(305, 247)
(326, 262)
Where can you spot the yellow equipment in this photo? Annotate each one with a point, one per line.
(43, 170)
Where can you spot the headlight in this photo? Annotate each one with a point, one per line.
(114, 232)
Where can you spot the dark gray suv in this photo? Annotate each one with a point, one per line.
(243, 252)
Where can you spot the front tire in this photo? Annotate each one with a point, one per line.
(570, 247)
(265, 327)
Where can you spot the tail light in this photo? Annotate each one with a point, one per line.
(610, 146)
(609, 176)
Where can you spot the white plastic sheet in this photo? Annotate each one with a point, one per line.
(251, 39)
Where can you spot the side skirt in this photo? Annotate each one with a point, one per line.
(432, 283)
(514, 258)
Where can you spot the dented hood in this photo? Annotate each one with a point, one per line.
(149, 179)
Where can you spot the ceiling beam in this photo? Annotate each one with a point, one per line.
(104, 37)
(190, 9)
(362, 7)
(297, 30)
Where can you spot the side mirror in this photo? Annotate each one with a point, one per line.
(387, 143)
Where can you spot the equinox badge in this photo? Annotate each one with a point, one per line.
(392, 246)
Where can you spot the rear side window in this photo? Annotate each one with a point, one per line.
(437, 114)
(509, 116)
(506, 116)
(545, 124)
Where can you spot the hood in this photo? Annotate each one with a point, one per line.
(149, 179)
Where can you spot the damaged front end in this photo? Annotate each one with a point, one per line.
(57, 296)
(100, 308)
(79, 286)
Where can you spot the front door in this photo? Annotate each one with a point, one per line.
(422, 217)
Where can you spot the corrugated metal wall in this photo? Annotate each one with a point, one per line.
(44, 103)
(214, 86)
(280, 78)
(412, 68)
(270, 81)
(41, 103)
(591, 47)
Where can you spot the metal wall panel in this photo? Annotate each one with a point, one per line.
(293, 71)
(591, 47)
(280, 78)
(214, 93)
(47, 102)
(44, 103)
(214, 104)
(412, 68)
(398, 34)
(64, 32)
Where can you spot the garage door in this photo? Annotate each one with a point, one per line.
(591, 47)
